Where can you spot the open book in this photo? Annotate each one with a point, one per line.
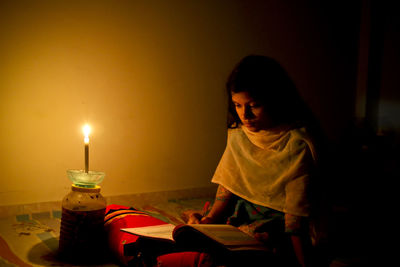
(200, 235)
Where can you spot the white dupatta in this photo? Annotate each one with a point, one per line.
(269, 168)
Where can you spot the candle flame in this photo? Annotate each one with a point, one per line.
(86, 131)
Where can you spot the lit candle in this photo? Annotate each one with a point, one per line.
(86, 132)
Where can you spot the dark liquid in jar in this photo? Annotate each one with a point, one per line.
(82, 232)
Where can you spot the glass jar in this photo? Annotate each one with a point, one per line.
(82, 233)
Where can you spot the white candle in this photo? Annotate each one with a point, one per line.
(86, 132)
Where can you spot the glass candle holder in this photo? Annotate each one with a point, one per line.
(85, 179)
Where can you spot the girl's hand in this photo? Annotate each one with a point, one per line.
(262, 237)
(194, 218)
(207, 220)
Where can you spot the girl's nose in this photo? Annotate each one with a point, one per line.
(247, 113)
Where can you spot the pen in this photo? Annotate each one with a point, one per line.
(205, 208)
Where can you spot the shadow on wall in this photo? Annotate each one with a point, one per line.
(363, 168)
(366, 161)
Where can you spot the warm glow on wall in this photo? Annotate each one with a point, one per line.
(150, 79)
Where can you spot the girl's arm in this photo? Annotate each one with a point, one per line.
(302, 248)
(219, 209)
(300, 238)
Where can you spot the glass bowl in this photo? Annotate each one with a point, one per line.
(83, 179)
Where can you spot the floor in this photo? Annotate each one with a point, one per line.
(29, 233)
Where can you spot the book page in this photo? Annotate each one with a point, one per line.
(162, 231)
(226, 234)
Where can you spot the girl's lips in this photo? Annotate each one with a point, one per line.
(249, 124)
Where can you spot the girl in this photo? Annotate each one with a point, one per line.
(265, 173)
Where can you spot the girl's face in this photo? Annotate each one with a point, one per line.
(251, 113)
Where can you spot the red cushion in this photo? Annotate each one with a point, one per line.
(185, 259)
(118, 217)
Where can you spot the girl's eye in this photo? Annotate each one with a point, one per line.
(255, 105)
(251, 106)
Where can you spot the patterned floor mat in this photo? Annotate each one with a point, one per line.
(32, 239)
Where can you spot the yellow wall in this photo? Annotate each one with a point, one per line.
(147, 75)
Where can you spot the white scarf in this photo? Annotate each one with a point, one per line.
(269, 168)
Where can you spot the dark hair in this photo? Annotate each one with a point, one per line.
(268, 83)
